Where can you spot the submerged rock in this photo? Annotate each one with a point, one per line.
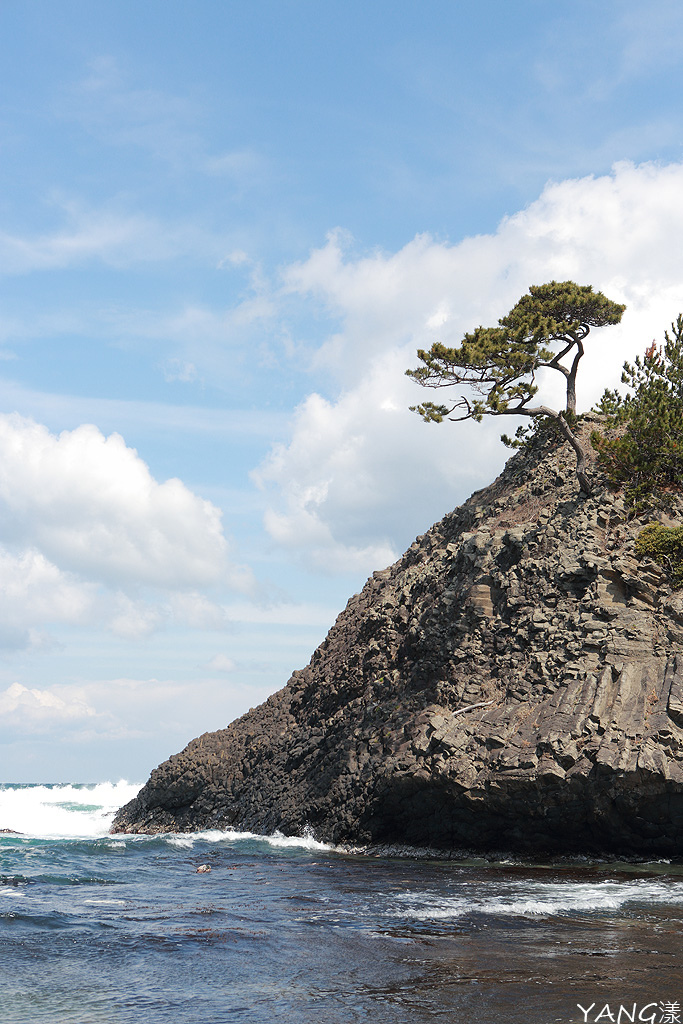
(514, 682)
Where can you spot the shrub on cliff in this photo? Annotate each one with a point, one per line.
(664, 544)
(643, 452)
(497, 366)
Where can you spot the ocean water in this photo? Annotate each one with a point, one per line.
(97, 928)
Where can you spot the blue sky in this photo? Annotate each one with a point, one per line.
(224, 230)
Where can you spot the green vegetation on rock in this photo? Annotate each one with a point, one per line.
(643, 449)
(664, 544)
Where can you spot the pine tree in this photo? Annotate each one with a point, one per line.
(498, 365)
(646, 455)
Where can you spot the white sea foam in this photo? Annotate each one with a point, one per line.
(13, 892)
(113, 903)
(539, 899)
(183, 841)
(63, 811)
(86, 812)
(188, 839)
(307, 841)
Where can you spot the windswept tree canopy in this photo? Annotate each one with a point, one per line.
(497, 366)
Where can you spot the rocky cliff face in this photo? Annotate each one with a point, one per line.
(514, 682)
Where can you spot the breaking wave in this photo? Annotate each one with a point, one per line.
(306, 841)
(541, 899)
(63, 811)
(86, 812)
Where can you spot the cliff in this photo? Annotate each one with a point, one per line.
(514, 682)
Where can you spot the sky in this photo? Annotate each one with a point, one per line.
(225, 230)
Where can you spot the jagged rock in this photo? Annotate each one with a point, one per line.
(514, 682)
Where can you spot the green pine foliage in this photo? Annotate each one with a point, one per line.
(643, 451)
(664, 544)
(494, 368)
(499, 364)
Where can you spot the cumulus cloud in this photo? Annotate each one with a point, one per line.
(359, 473)
(34, 591)
(87, 533)
(40, 708)
(29, 578)
(354, 468)
(90, 505)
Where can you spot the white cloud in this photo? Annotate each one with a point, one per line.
(358, 470)
(122, 709)
(134, 620)
(90, 505)
(111, 235)
(209, 344)
(229, 424)
(282, 614)
(360, 473)
(30, 579)
(177, 369)
(88, 536)
(221, 663)
(196, 610)
(34, 592)
(37, 708)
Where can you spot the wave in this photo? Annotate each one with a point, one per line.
(64, 811)
(187, 840)
(85, 812)
(541, 899)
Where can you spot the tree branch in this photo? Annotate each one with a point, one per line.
(498, 365)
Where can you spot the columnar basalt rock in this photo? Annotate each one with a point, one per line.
(514, 682)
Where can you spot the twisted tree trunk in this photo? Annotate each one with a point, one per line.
(569, 435)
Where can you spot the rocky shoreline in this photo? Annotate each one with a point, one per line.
(514, 681)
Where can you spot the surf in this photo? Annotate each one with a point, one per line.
(63, 811)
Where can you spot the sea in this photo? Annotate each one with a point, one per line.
(115, 929)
